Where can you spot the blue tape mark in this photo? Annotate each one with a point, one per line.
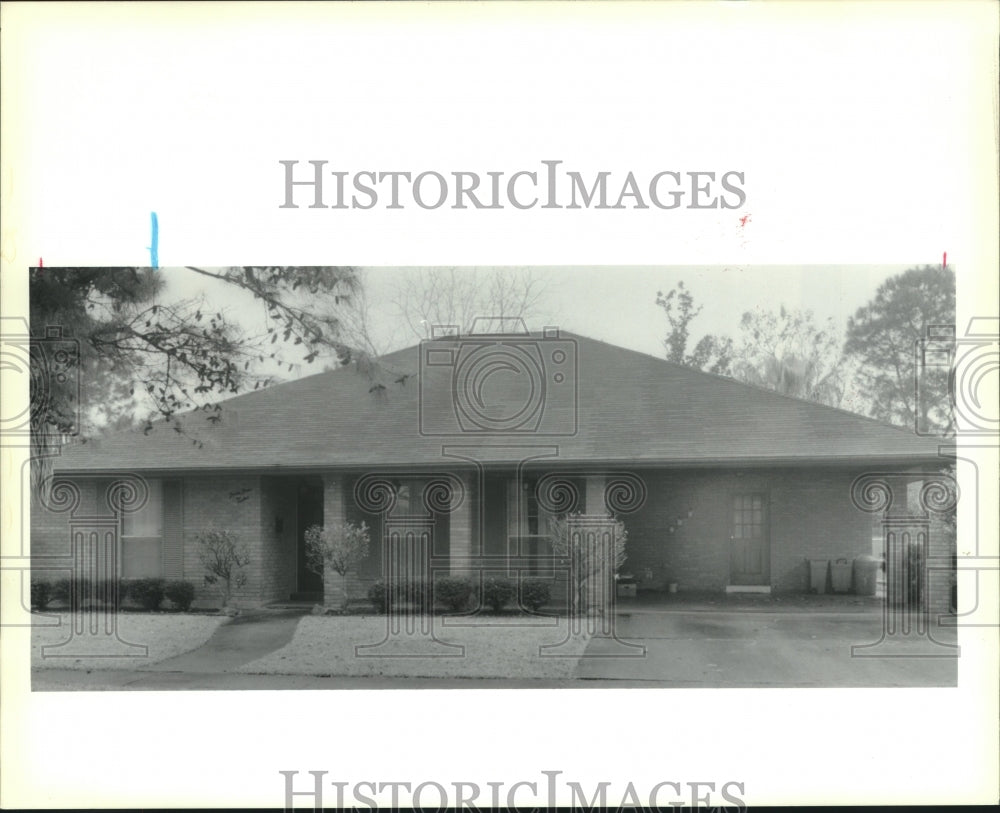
(154, 248)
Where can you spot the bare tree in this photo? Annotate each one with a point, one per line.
(449, 296)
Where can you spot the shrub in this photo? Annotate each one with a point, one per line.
(404, 591)
(147, 593)
(498, 591)
(104, 590)
(223, 559)
(124, 589)
(414, 591)
(587, 553)
(60, 591)
(181, 593)
(915, 572)
(535, 593)
(378, 597)
(453, 592)
(339, 548)
(41, 594)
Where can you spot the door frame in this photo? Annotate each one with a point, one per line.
(302, 483)
(765, 577)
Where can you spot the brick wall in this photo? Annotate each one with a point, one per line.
(334, 511)
(279, 544)
(50, 530)
(230, 503)
(810, 516)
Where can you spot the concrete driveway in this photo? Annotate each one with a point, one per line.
(760, 649)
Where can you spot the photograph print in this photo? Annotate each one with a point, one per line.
(334, 477)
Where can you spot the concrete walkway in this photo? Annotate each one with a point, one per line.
(248, 636)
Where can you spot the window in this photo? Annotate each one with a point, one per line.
(748, 516)
(527, 520)
(408, 494)
(142, 536)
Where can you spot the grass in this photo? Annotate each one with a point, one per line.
(491, 646)
(164, 634)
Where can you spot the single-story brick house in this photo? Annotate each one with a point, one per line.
(721, 485)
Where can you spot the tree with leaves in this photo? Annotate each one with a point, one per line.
(788, 353)
(712, 353)
(136, 350)
(784, 351)
(340, 548)
(589, 555)
(224, 558)
(884, 339)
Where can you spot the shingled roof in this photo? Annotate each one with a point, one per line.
(629, 408)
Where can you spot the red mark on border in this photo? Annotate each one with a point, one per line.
(40, 264)
(744, 220)
(944, 260)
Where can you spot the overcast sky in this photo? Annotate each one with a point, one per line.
(613, 304)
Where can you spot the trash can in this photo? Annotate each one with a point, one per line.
(626, 587)
(840, 576)
(817, 574)
(866, 575)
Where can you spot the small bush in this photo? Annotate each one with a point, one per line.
(498, 592)
(378, 597)
(415, 591)
(535, 593)
(41, 594)
(181, 593)
(60, 591)
(224, 558)
(453, 592)
(404, 591)
(91, 592)
(147, 593)
(104, 590)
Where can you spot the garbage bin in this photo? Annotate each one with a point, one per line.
(817, 574)
(840, 576)
(866, 575)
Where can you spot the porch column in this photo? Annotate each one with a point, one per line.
(334, 587)
(594, 497)
(460, 543)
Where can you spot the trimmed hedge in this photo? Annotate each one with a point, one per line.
(180, 593)
(41, 594)
(377, 596)
(453, 592)
(535, 593)
(147, 593)
(498, 592)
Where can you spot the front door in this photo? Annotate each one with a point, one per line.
(750, 549)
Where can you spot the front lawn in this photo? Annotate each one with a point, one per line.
(165, 634)
(495, 646)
